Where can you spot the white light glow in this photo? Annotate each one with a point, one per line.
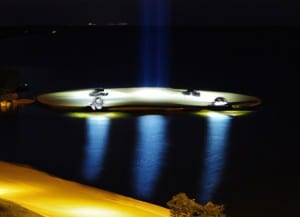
(220, 103)
(151, 93)
(145, 96)
(214, 116)
(230, 113)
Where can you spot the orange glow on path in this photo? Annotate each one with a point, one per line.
(53, 197)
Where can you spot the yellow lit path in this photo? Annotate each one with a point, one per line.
(54, 197)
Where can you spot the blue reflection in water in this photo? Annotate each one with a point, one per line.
(95, 147)
(215, 157)
(152, 142)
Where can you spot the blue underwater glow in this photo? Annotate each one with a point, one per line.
(95, 147)
(151, 145)
(154, 45)
(215, 155)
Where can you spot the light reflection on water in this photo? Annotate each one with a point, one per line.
(152, 140)
(97, 130)
(151, 144)
(215, 154)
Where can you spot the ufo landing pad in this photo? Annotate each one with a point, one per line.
(147, 98)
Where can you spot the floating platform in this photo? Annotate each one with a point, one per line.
(147, 98)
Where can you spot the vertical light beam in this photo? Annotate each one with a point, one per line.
(154, 43)
(162, 36)
(96, 143)
(215, 154)
(146, 44)
(151, 144)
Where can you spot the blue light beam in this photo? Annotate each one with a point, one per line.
(154, 43)
(95, 148)
(215, 155)
(151, 146)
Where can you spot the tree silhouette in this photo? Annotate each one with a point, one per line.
(182, 206)
(9, 80)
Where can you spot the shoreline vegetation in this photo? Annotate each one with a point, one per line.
(11, 91)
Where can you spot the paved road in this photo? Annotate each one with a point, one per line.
(54, 197)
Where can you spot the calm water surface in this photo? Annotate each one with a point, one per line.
(248, 163)
(152, 157)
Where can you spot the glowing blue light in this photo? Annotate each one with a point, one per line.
(95, 148)
(215, 156)
(152, 142)
(154, 15)
(162, 58)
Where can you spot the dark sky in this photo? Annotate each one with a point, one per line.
(182, 12)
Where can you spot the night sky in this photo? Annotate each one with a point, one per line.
(190, 12)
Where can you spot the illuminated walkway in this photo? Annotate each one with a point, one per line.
(54, 197)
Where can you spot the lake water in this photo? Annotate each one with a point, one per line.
(248, 163)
